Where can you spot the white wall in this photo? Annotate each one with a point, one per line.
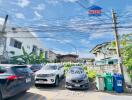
(27, 43)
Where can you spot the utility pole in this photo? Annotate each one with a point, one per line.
(114, 20)
(3, 38)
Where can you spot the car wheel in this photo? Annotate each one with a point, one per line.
(56, 81)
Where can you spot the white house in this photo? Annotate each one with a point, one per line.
(104, 54)
(14, 39)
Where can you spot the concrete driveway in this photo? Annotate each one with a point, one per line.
(47, 92)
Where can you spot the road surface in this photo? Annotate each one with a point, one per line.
(60, 93)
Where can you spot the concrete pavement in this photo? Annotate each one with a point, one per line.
(47, 92)
(52, 93)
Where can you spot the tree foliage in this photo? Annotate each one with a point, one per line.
(126, 52)
(127, 59)
(31, 58)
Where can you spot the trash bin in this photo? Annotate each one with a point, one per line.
(100, 82)
(118, 83)
(108, 80)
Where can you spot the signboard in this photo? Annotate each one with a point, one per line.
(94, 10)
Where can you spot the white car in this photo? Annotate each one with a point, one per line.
(49, 74)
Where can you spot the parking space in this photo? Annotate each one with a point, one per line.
(49, 92)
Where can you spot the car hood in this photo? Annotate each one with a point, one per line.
(75, 76)
(46, 72)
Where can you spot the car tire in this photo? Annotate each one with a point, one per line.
(56, 81)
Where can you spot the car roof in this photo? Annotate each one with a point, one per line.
(10, 65)
(57, 64)
(76, 67)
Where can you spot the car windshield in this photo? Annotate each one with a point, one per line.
(50, 67)
(76, 70)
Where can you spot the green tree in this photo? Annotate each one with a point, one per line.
(126, 52)
(127, 59)
(31, 58)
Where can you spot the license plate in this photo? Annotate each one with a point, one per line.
(28, 80)
(77, 85)
(41, 81)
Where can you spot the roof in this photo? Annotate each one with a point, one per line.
(71, 55)
(99, 46)
(94, 7)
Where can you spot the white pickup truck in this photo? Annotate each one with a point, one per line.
(49, 74)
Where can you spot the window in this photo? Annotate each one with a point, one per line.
(34, 48)
(15, 43)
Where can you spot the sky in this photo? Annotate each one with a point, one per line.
(64, 26)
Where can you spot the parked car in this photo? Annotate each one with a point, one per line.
(36, 67)
(76, 78)
(14, 79)
(49, 74)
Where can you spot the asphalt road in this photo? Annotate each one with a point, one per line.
(48, 92)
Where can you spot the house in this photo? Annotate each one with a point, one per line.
(14, 39)
(105, 54)
(88, 61)
(50, 56)
(67, 58)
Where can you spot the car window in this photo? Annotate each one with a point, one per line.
(76, 70)
(2, 69)
(50, 67)
(20, 70)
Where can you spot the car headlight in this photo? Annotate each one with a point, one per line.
(85, 77)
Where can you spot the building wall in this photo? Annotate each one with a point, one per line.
(50, 55)
(68, 59)
(27, 43)
(107, 53)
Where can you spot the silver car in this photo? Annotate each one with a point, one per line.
(76, 78)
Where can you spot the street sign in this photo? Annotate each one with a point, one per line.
(94, 10)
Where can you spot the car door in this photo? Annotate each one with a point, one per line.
(8, 83)
(23, 77)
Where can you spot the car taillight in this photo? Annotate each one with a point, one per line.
(12, 77)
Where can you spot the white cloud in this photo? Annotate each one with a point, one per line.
(50, 34)
(85, 55)
(20, 15)
(101, 35)
(1, 21)
(67, 40)
(84, 42)
(70, 0)
(53, 2)
(92, 1)
(40, 7)
(39, 16)
(23, 3)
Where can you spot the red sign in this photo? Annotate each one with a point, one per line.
(94, 12)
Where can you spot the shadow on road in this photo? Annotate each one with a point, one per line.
(52, 87)
(27, 96)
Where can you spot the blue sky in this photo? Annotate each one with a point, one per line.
(67, 23)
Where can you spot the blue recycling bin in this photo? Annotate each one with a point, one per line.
(118, 83)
